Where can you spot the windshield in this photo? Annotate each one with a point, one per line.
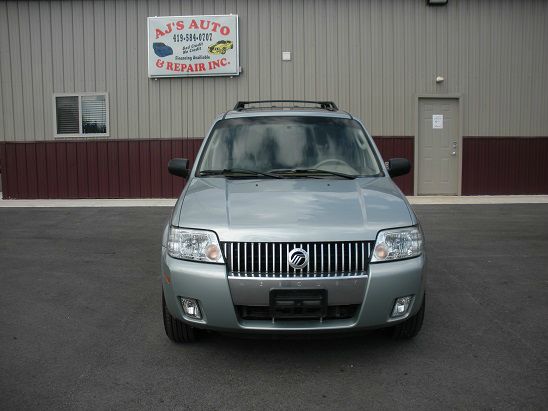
(286, 144)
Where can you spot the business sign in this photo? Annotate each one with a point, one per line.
(185, 46)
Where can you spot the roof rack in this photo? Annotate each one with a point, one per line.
(326, 105)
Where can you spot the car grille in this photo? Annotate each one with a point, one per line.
(334, 312)
(326, 259)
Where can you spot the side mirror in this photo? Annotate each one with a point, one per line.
(398, 166)
(178, 167)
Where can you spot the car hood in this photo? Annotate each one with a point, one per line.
(300, 209)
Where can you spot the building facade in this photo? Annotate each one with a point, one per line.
(460, 89)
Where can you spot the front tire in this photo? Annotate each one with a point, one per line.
(411, 327)
(176, 330)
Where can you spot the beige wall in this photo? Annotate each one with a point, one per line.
(371, 57)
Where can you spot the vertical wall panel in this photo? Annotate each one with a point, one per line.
(72, 169)
(88, 32)
(121, 67)
(320, 65)
(14, 58)
(99, 51)
(21, 171)
(134, 168)
(26, 70)
(67, 43)
(103, 179)
(9, 170)
(37, 91)
(57, 50)
(111, 58)
(92, 169)
(78, 20)
(365, 63)
(113, 171)
(142, 105)
(342, 68)
(144, 169)
(31, 170)
(51, 171)
(42, 167)
(123, 168)
(62, 170)
(3, 167)
(82, 167)
(7, 131)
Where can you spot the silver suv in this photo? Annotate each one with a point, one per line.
(290, 222)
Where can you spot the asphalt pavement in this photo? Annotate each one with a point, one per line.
(81, 325)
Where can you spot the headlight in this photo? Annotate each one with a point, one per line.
(197, 245)
(397, 244)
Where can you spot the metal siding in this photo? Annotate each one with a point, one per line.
(123, 168)
(111, 53)
(56, 53)
(119, 168)
(15, 66)
(41, 166)
(132, 72)
(37, 92)
(142, 103)
(7, 131)
(122, 77)
(391, 147)
(99, 49)
(78, 21)
(26, 70)
(372, 57)
(494, 165)
(88, 55)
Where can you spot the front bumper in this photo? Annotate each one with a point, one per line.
(210, 285)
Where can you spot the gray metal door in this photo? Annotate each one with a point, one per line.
(438, 146)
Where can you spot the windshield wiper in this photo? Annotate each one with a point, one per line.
(311, 171)
(229, 172)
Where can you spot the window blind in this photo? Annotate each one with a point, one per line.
(67, 115)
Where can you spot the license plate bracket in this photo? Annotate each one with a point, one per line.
(298, 303)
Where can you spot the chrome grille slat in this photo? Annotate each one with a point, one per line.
(356, 256)
(342, 257)
(363, 256)
(308, 265)
(336, 258)
(245, 258)
(232, 255)
(266, 259)
(260, 261)
(326, 259)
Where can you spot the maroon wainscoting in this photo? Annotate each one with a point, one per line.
(93, 169)
(119, 168)
(391, 147)
(504, 165)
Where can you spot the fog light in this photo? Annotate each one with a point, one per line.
(401, 306)
(191, 308)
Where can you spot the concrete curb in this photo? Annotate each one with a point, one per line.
(169, 202)
(516, 199)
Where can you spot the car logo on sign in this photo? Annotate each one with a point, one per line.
(298, 258)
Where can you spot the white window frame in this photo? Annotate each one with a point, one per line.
(81, 133)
